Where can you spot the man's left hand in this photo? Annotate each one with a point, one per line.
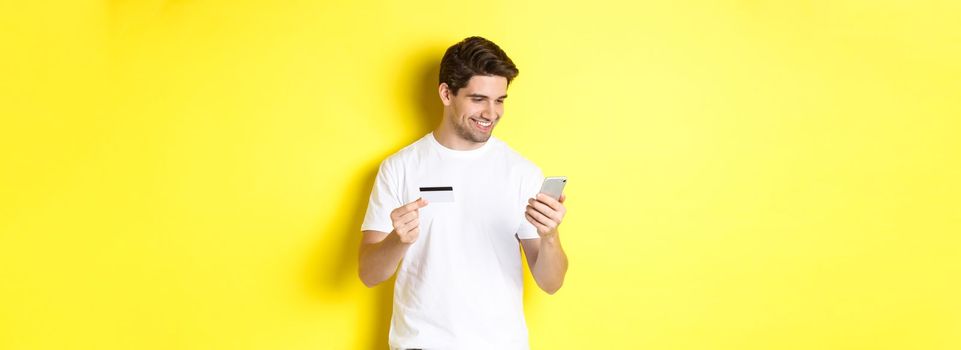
(546, 213)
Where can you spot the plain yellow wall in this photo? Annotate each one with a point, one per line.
(743, 174)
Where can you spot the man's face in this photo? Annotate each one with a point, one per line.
(477, 107)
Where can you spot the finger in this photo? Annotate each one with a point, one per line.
(410, 236)
(541, 218)
(545, 210)
(406, 208)
(540, 227)
(562, 198)
(409, 225)
(417, 204)
(550, 201)
(411, 231)
(413, 215)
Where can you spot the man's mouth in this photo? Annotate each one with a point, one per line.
(483, 125)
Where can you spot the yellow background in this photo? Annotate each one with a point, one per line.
(743, 174)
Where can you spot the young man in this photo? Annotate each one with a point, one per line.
(460, 282)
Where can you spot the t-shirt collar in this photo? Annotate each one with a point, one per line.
(458, 153)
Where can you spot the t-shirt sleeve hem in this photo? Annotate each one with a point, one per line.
(381, 228)
(527, 235)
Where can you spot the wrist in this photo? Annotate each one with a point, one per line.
(397, 240)
(550, 237)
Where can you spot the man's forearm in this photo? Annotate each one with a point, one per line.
(551, 264)
(378, 261)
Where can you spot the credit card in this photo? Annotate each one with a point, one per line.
(437, 194)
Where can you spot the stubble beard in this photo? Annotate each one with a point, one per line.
(469, 133)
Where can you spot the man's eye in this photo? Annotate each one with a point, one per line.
(500, 101)
(478, 100)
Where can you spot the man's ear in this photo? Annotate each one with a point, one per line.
(445, 94)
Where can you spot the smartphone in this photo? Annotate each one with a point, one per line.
(553, 186)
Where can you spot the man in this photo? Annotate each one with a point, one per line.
(460, 279)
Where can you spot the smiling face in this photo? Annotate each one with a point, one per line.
(477, 107)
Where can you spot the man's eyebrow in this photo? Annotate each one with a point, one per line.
(485, 96)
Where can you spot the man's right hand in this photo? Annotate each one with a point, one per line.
(405, 220)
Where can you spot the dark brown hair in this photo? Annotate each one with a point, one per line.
(474, 56)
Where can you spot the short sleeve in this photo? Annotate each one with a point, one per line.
(384, 198)
(530, 186)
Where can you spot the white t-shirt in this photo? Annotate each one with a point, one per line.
(460, 286)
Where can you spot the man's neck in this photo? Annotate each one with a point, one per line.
(447, 137)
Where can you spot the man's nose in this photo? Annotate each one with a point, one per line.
(489, 111)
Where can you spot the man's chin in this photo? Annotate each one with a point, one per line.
(474, 135)
(482, 137)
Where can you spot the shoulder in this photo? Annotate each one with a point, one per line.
(405, 155)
